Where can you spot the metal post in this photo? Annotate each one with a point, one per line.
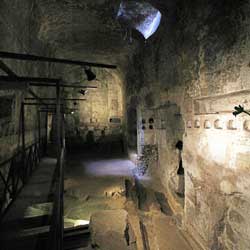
(58, 121)
(39, 134)
(59, 145)
(46, 132)
(23, 140)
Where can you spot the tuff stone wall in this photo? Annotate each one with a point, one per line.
(102, 112)
(19, 26)
(190, 76)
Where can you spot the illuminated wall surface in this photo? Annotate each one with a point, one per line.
(102, 112)
(187, 77)
(190, 84)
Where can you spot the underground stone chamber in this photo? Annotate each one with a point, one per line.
(129, 116)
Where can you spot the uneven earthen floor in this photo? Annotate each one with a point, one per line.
(93, 184)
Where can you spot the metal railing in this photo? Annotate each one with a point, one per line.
(17, 170)
(57, 224)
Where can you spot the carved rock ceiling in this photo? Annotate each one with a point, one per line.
(86, 30)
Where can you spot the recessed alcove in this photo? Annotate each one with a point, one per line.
(189, 124)
(197, 124)
(218, 124)
(232, 125)
(207, 124)
(246, 125)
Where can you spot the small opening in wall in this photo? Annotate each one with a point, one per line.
(115, 120)
(189, 124)
(207, 124)
(151, 120)
(151, 127)
(218, 124)
(246, 125)
(232, 125)
(143, 121)
(197, 124)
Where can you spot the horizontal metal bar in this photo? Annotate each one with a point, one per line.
(54, 111)
(52, 108)
(39, 104)
(53, 99)
(5, 85)
(62, 85)
(29, 79)
(29, 57)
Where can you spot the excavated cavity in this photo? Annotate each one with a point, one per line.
(181, 85)
(84, 30)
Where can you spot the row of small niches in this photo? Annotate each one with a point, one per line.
(219, 124)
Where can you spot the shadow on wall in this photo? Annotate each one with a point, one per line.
(170, 144)
(132, 128)
(104, 145)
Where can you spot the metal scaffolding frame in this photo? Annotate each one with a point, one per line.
(13, 81)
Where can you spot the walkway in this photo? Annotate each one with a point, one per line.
(30, 212)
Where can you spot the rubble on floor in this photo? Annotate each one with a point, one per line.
(110, 229)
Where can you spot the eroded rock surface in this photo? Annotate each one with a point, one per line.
(111, 230)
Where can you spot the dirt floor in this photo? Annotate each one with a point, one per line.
(95, 184)
(92, 185)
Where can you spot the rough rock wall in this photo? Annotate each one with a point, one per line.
(102, 112)
(19, 26)
(198, 63)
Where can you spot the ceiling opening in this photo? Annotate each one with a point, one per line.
(141, 16)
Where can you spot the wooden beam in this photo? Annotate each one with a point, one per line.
(29, 57)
